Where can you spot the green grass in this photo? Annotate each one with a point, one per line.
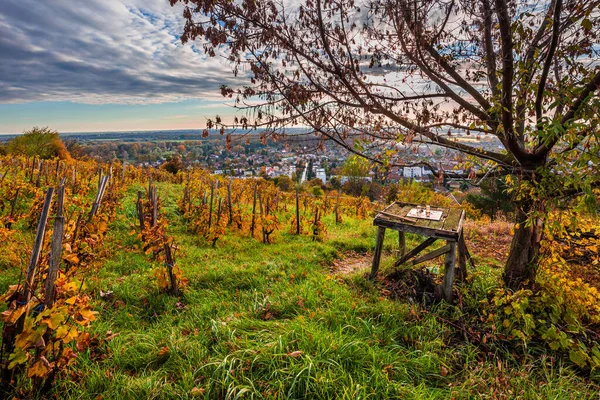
(271, 321)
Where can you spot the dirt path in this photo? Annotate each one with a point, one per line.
(352, 262)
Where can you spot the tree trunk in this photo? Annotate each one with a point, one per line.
(521, 266)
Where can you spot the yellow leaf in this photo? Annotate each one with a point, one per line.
(40, 368)
(11, 290)
(29, 337)
(19, 356)
(66, 333)
(11, 316)
(56, 318)
(72, 287)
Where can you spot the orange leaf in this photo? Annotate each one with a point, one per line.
(163, 351)
(72, 258)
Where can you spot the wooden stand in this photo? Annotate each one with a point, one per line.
(448, 228)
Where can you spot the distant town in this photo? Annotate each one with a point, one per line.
(300, 157)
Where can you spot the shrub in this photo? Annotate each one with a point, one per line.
(561, 310)
(173, 164)
(39, 142)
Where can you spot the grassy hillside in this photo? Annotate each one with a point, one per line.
(275, 321)
(292, 319)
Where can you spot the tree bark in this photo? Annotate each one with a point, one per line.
(521, 265)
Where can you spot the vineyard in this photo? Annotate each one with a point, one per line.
(128, 282)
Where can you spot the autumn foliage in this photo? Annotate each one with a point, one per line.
(42, 143)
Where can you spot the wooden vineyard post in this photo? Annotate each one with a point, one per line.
(253, 224)
(449, 272)
(210, 205)
(402, 243)
(229, 206)
(377, 253)
(315, 224)
(57, 170)
(297, 213)
(99, 177)
(98, 200)
(170, 263)
(140, 210)
(260, 211)
(75, 233)
(74, 178)
(32, 170)
(150, 188)
(37, 247)
(8, 342)
(462, 258)
(46, 174)
(39, 175)
(219, 210)
(154, 198)
(267, 233)
(337, 209)
(56, 250)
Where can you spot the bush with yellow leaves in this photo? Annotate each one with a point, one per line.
(561, 309)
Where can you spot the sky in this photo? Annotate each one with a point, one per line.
(104, 65)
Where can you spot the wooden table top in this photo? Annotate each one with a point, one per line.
(395, 217)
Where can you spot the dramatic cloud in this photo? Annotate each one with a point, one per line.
(102, 51)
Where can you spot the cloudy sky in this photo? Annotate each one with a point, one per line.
(100, 65)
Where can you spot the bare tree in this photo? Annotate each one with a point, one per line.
(419, 71)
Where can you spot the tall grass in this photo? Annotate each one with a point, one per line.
(271, 321)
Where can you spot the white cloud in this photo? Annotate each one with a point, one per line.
(100, 51)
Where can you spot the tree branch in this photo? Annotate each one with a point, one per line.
(543, 149)
(548, 62)
(489, 47)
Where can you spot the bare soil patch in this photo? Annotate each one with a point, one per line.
(352, 262)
